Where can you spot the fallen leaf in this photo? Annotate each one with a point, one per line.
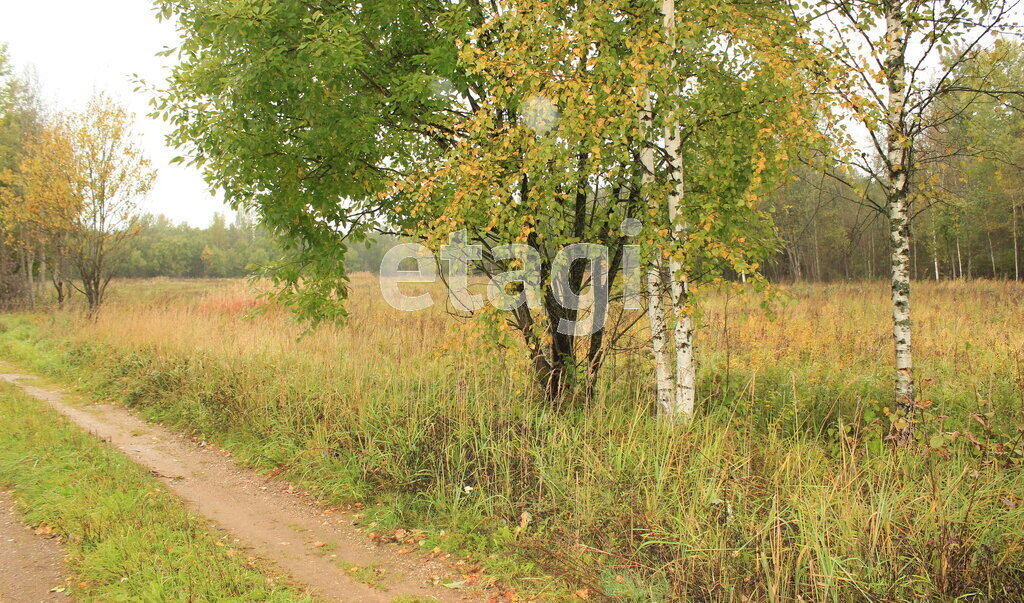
(455, 584)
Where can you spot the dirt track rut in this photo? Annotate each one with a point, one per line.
(32, 566)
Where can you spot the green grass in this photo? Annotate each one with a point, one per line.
(370, 575)
(128, 538)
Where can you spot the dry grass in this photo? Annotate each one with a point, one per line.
(782, 489)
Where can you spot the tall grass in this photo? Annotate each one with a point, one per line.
(782, 489)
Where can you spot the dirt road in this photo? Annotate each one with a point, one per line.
(32, 566)
(319, 547)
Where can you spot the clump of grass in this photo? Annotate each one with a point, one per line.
(371, 575)
(783, 487)
(128, 538)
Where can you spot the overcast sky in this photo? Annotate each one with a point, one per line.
(78, 47)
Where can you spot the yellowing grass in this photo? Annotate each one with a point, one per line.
(782, 489)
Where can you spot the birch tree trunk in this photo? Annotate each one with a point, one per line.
(913, 250)
(794, 261)
(42, 273)
(959, 260)
(992, 253)
(898, 165)
(817, 254)
(686, 386)
(654, 279)
(29, 262)
(1016, 247)
(899, 232)
(869, 272)
(659, 337)
(676, 393)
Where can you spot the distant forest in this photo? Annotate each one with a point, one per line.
(222, 250)
(969, 226)
(827, 236)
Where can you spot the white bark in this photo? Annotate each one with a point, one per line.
(899, 235)
(659, 336)
(992, 254)
(685, 393)
(898, 164)
(29, 263)
(675, 376)
(654, 281)
(960, 260)
(686, 369)
(1016, 247)
(42, 272)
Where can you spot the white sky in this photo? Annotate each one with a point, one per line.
(78, 47)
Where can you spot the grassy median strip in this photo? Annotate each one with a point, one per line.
(128, 538)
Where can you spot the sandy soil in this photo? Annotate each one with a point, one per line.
(314, 544)
(31, 565)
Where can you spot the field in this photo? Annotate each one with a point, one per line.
(783, 488)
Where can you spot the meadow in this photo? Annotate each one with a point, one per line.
(783, 488)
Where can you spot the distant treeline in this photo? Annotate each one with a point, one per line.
(825, 237)
(972, 228)
(222, 250)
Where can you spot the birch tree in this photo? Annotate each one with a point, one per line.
(735, 62)
(892, 51)
(518, 122)
(681, 402)
(610, 78)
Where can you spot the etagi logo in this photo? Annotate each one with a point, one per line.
(589, 305)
